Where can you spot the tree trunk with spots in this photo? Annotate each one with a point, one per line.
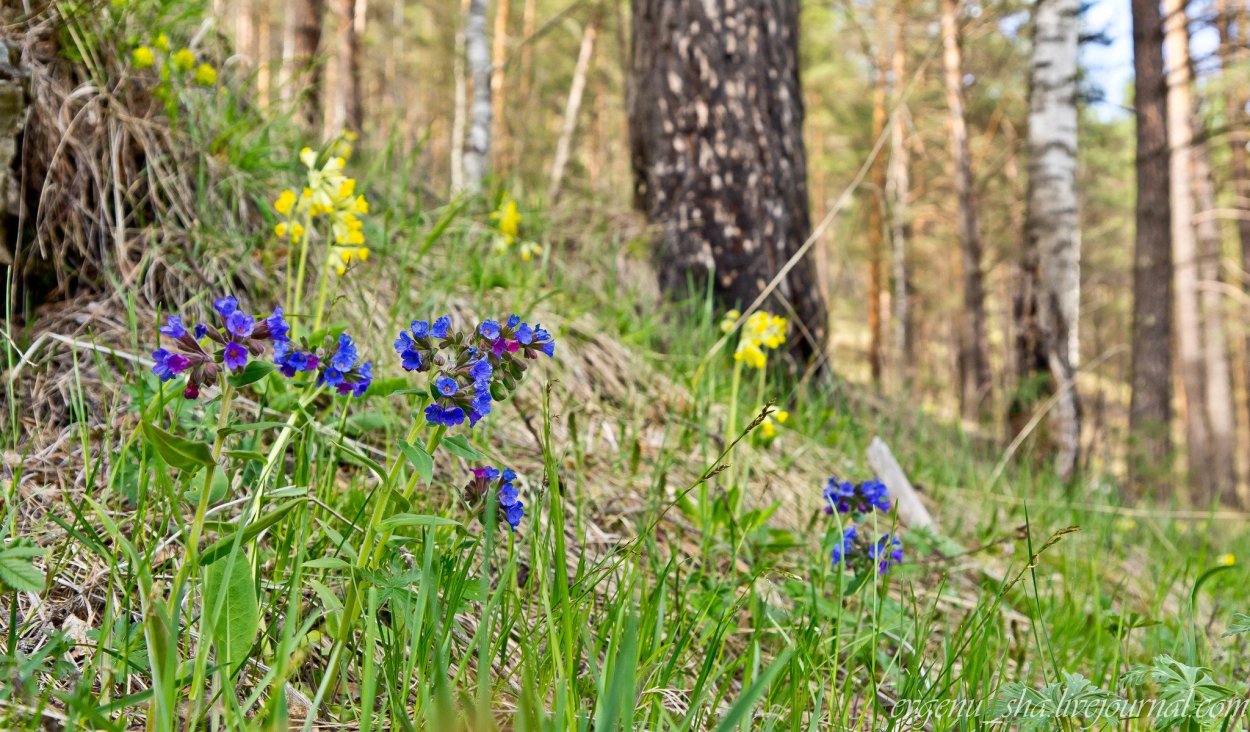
(1150, 409)
(716, 127)
(306, 45)
(1048, 307)
(976, 381)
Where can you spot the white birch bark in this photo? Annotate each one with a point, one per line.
(1052, 224)
(459, 106)
(477, 53)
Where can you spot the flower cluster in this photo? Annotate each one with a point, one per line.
(761, 333)
(856, 549)
(203, 351)
(182, 61)
(846, 497)
(330, 195)
(344, 371)
(509, 507)
(471, 369)
(507, 221)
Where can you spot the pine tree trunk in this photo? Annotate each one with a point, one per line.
(716, 127)
(307, 66)
(1050, 298)
(347, 108)
(1150, 409)
(1189, 334)
(576, 90)
(477, 52)
(264, 52)
(974, 367)
(898, 187)
(460, 112)
(499, 58)
(1235, 101)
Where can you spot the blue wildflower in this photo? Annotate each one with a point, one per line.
(844, 548)
(508, 504)
(448, 417)
(416, 346)
(291, 361)
(489, 329)
(886, 552)
(341, 372)
(445, 385)
(225, 305)
(201, 331)
(846, 497)
(279, 329)
(240, 324)
(168, 365)
(441, 327)
(173, 327)
(235, 356)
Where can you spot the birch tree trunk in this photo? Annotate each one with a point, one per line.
(477, 52)
(898, 188)
(1189, 333)
(264, 52)
(578, 88)
(460, 103)
(876, 204)
(1052, 232)
(716, 128)
(974, 366)
(1150, 409)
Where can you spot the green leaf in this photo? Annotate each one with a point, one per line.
(459, 445)
(221, 547)
(252, 455)
(420, 460)
(235, 429)
(230, 600)
(327, 563)
(412, 519)
(1241, 624)
(17, 567)
(176, 451)
(359, 459)
(387, 387)
(253, 372)
(741, 708)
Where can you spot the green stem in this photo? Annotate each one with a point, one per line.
(370, 552)
(322, 288)
(303, 264)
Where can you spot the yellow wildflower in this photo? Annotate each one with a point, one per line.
(768, 329)
(1227, 560)
(183, 60)
(507, 219)
(727, 322)
(781, 415)
(281, 230)
(285, 202)
(297, 232)
(143, 57)
(347, 188)
(529, 250)
(362, 253)
(308, 157)
(750, 353)
(767, 430)
(161, 42)
(360, 206)
(205, 75)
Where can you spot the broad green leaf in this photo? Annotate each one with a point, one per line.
(234, 429)
(221, 547)
(230, 601)
(251, 455)
(387, 387)
(253, 372)
(459, 445)
(327, 563)
(178, 452)
(420, 459)
(17, 567)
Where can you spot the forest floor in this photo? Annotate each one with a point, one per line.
(672, 571)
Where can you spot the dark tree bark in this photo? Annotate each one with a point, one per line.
(716, 123)
(307, 14)
(348, 111)
(1150, 409)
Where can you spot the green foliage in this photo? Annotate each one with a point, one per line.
(1073, 701)
(230, 596)
(18, 572)
(1187, 694)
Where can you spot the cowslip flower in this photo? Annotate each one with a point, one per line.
(762, 332)
(343, 370)
(204, 351)
(846, 497)
(768, 427)
(142, 57)
(509, 507)
(727, 322)
(285, 202)
(183, 60)
(342, 257)
(507, 220)
(529, 250)
(161, 42)
(205, 75)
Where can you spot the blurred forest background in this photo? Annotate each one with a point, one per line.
(884, 84)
